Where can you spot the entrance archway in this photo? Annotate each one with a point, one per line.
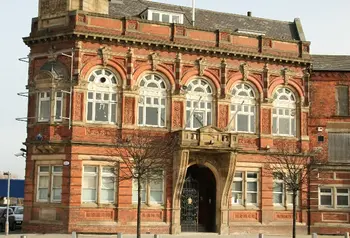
(198, 200)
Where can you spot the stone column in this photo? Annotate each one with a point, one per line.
(227, 173)
(180, 168)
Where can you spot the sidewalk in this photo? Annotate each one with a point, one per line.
(185, 235)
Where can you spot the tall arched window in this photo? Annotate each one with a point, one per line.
(152, 102)
(243, 109)
(102, 97)
(284, 113)
(198, 104)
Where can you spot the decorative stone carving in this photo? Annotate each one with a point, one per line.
(267, 42)
(223, 72)
(306, 74)
(105, 53)
(286, 73)
(266, 119)
(223, 116)
(101, 132)
(225, 36)
(180, 31)
(129, 116)
(177, 114)
(82, 18)
(133, 25)
(78, 45)
(181, 159)
(178, 57)
(52, 56)
(155, 61)
(201, 63)
(244, 68)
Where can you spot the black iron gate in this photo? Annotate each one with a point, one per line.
(189, 205)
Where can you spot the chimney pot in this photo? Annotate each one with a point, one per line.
(249, 14)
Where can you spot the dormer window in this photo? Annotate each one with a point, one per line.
(167, 17)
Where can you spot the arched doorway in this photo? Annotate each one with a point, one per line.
(198, 200)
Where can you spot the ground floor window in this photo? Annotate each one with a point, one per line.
(245, 188)
(152, 191)
(334, 197)
(49, 185)
(281, 195)
(99, 184)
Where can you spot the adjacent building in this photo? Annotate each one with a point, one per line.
(233, 87)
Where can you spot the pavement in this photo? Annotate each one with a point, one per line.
(183, 235)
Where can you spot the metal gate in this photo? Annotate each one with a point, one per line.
(189, 205)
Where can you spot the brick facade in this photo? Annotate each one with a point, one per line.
(131, 48)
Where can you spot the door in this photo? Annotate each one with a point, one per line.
(190, 205)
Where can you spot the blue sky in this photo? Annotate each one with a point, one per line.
(326, 24)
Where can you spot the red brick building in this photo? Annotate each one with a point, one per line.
(329, 130)
(234, 87)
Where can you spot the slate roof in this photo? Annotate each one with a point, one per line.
(210, 20)
(331, 62)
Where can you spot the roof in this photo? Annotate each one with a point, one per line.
(331, 62)
(211, 20)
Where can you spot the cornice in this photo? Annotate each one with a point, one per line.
(78, 35)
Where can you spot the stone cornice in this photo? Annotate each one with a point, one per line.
(78, 35)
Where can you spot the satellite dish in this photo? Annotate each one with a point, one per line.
(66, 163)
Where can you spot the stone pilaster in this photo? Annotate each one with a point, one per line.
(180, 164)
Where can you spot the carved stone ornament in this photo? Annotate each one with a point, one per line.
(105, 53)
(130, 52)
(78, 44)
(306, 73)
(178, 57)
(286, 75)
(52, 56)
(244, 68)
(201, 66)
(155, 61)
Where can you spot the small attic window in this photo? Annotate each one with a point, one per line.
(250, 32)
(167, 17)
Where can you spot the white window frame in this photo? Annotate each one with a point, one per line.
(152, 97)
(99, 174)
(146, 188)
(243, 105)
(50, 174)
(284, 109)
(111, 176)
(199, 103)
(44, 96)
(58, 113)
(53, 175)
(102, 82)
(171, 15)
(334, 197)
(281, 183)
(245, 180)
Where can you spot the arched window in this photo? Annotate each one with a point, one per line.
(243, 109)
(152, 101)
(198, 104)
(284, 113)
(102, 97)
